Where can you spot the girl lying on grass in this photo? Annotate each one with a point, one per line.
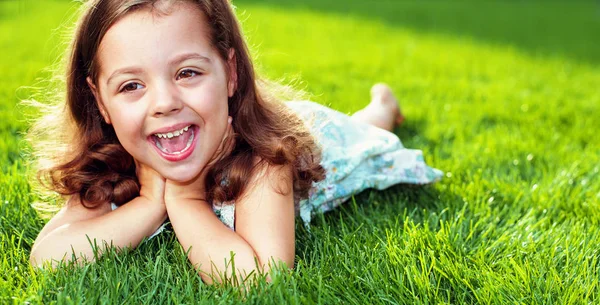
(165, 119)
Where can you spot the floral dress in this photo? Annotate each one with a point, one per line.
(355, 155)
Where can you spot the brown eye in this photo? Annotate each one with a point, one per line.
(187, 73)
(129, 87)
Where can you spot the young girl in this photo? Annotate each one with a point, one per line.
(166, 119)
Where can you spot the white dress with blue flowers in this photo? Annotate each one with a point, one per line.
(355, 155)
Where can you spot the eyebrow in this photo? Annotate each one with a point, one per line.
(126, 70)
(176, 60)
(185, 56)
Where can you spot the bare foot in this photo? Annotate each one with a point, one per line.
(382, 95)
(383, 111)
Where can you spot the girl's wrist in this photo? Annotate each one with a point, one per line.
(152, 207)
(174, 202)
(152, 199)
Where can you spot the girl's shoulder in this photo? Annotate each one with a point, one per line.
(277, 177)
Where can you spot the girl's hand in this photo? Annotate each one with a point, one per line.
(194, 190)
(152, 184)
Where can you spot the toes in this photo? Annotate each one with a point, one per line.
(399, 120)
(381, 90)
(382, 96)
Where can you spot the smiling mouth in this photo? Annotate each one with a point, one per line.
(175, 142)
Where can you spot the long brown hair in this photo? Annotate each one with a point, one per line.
(87, 159)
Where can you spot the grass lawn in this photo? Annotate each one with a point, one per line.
(502, 96)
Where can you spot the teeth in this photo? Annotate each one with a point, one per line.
(188, 144)
(172, 134)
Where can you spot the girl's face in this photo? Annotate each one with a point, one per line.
(165, 89)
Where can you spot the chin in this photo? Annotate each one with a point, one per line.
(180, 175)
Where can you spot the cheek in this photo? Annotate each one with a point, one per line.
(129, 131)
(126, 117)
(211, 102)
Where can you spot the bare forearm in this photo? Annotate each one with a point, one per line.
(210, 242)
(123, 227)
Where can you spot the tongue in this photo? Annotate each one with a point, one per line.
(175, 144)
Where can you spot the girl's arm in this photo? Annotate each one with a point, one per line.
(264, 228)
(75, 226)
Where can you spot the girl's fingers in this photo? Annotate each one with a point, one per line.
(145, 173)
(152, 184)
(137, 165)
(141, 169)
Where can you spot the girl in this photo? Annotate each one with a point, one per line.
(165, 119)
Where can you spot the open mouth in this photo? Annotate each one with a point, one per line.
(175, 142)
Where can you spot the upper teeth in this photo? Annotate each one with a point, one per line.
(175, 133)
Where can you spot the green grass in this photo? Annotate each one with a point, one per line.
(502, 96)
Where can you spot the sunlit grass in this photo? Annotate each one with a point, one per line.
(514, 127)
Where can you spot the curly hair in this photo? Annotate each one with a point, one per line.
(79, 154)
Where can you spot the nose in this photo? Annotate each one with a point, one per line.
(166, 100)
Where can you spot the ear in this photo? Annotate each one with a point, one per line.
(233, 77)
(94, 90)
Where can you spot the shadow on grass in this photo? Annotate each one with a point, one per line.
(411, 134)
(554, 28)
(375, 211)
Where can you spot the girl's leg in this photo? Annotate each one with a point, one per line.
(383, 110)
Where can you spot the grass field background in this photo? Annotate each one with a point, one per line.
(502, 96)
